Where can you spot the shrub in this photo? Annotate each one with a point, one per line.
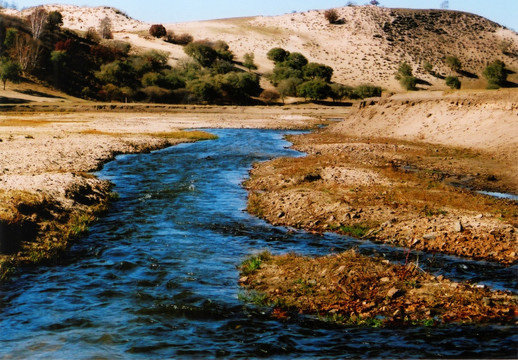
(157, 94)
(248, 62)
(331, 16)
(408, 82)
(157, 30)
(269, 96)
(453, 82)
(495, 74)
(453, 63)
(92, 35)
(428, 67)
(404, 70)
(366, 91)
(340, 92)
(182, 39)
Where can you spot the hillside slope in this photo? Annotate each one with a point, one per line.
(366, 47)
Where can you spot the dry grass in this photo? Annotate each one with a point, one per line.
(179, 135)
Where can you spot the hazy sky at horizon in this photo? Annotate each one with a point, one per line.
(504, 12)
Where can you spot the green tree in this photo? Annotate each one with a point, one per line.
(59, 60)
(10, 37)
(453, 63)
(288, 87)
(495, 74)
(120, 73)
(404, 69)
(202, 53)
(277, 55)
(453, 82)
(54, 20)
(204, 90)
(10, 71)
(408, 82)
(313, 71)
(223, 50)
(314, 89)
(405, 76)
(282, 72)
(248, 61)
(296, 61)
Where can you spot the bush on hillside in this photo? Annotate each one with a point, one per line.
(408, 82)
(157, 30)
(453, 63)
(495, 74)
(331, 15)
(182, 39)
(453, 82)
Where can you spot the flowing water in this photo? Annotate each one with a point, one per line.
(157, 277)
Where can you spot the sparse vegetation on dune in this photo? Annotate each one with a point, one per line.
(364, 46)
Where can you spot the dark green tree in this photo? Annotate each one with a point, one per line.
(277, 55)
(296, 61)
(10, 71)
(202, 53)
(495, 74)
(54, 21)
(314, 89)
(453, 82)
(314, 71)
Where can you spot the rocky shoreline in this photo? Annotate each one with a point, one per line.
(375, 176)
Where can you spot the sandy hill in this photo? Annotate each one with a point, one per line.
(365, 47)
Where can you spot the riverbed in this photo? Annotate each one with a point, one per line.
(157, 277)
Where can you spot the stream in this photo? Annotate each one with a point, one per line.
(157, 276)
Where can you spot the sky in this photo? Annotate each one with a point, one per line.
(504, 12)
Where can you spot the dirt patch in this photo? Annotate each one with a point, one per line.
(352, 289)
